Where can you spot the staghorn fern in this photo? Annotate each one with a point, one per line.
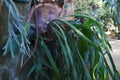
(82, 51)
(18, 29)
(79, 53)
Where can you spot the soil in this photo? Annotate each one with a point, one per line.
(115, 43)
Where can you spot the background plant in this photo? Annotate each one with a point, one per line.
(105, 11)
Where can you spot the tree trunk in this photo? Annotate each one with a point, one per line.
(118, 18)
(9, 66)
(118, 35)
